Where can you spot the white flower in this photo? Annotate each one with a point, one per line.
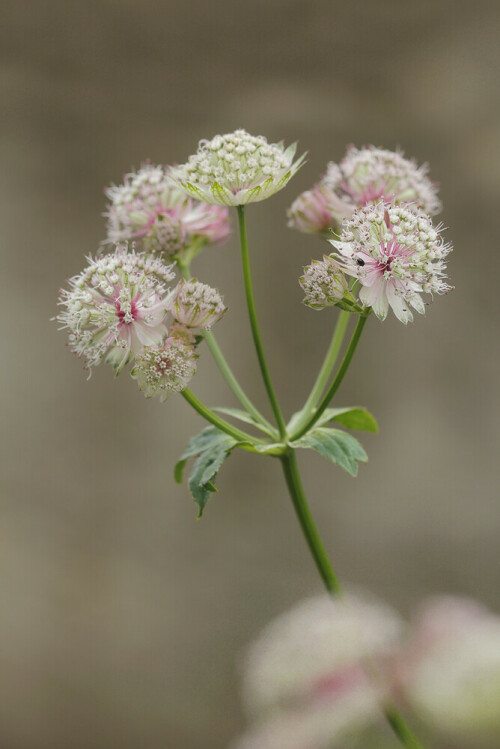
(396, 254)
(450, 671)
(150, 207)
(370, 174)
(236, 169)
(196, 305)
(117, 305)
(165, 369)
(323, 283)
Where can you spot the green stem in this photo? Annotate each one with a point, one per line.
(337, 380)
(294, 484)
(225, 369)
(326, 369)
(222, 424)
(252, 313)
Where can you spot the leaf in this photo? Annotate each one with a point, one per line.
(212, 446)
(237, 413)
(339, 447)
(352, 417)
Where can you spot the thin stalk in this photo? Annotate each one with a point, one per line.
(330, 579)
(318, 551)
(325, 401)
(226, 370)
(326, 369)
(216, 420)
(252, 313)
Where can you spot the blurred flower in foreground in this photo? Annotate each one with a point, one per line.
(449, 671)
(236, 169)
(196, 305)
(304, 682)
(396, 254)
(150, 207)
(166, 369)
(364, 176)
(323, 283)
(116, 306)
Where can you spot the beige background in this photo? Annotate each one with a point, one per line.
(123, 616)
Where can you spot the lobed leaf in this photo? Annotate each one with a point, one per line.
(337, 446)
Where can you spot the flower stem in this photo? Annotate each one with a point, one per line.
(294, 483)
(245, 260)
(325, 401)
(330, 579)
(326, 369)
(222, 424)
(225, 369)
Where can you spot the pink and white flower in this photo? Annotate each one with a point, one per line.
(196, 305)
(116, 306)
(165, 369)
(150, 207)
(311, 212)
(396, 254)
(236, 169)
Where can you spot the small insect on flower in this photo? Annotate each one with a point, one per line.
(150, 207)
(396, 254)
(117, 305)
(236, 169)
(196, 305)
(165, 369)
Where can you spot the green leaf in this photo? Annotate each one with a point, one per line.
(339, 447)
(237, 413)
(212, 446)
(352, 417)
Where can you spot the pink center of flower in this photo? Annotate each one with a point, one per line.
(121, 314)
(339, 683)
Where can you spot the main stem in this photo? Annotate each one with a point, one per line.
(252, 313)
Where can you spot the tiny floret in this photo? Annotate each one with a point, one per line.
(371, 174)
(165, 369)
(196, 305)
(236, 169)
(323, 283)
(149, 207)
(396, 254)
(116, 306)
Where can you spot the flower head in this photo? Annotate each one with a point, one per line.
(116, 306)
(323, 282)
(150, 207)
(236, 169)
(165, 369)
(196, 305)
(311, 211)
(370, 174)
(396, 254)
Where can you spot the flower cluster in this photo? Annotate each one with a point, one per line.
(166, 369)
(304, 682)
(236, 169)
(118, 309)
(150, 207)
(323, 283)
(395, 253)
(363, 176)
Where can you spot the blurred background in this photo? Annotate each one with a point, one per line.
(123, 616)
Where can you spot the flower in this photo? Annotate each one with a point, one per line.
(196, 305)
(370, 174)
(449, 671)
(236, 169)
(150, 207)
(165, 369)
(396, 254)
(311, 212)
(116, 306)
(323, 283)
